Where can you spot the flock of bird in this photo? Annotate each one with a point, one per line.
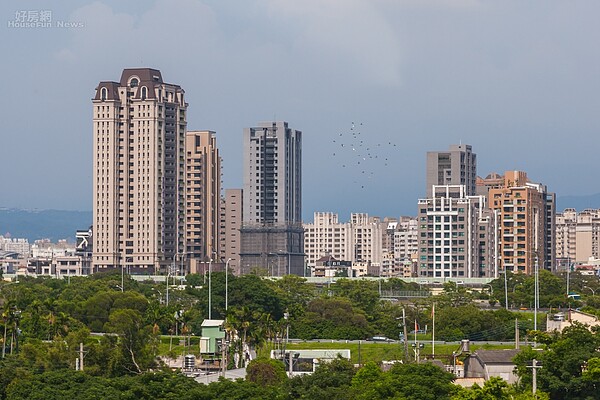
(360, 156)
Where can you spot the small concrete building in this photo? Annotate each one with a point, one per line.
(213, 331)
(488, 363)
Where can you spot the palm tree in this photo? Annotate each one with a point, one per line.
(5, 319)
(15, 319)
(10, 317)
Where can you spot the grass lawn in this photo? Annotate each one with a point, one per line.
(377, 352)
(178, 345)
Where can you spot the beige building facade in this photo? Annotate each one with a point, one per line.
(233, 223)
(358, 241)
(526, 213)
(139, 126)
(202, 196)
(577, 237)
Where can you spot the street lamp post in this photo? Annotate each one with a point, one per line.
(122, 278)
(167, 295)
(536, 298)
(593, 291)
(505, 289)
(209, 289)
(226, 283)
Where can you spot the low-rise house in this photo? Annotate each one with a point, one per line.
(489, 363)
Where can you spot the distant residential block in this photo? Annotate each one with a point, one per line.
(577, 237)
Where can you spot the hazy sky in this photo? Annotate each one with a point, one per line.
(518, 80)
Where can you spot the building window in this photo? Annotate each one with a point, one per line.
(103, 94)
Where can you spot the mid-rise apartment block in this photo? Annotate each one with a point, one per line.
(233, 223)
(526, 213)
(272, 203)
(456, 235)
(15, 245)
(406, 246)
(456, 166)
(358, 241)
(327, 237)
(366, 244)
(577, 237)
(139, 125)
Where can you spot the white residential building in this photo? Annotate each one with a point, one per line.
(577, 236)
(17, 245)
(457, 235)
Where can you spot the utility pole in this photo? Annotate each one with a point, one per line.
(81, 356)
(405, 334)
(224, 356)
(536, 296)
(535, 367)
(517, 333)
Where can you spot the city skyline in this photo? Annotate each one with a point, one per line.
(420, 75)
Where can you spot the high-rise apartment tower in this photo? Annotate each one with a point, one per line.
(203, 197)
(272, 198)
(526, 221)
(139, 128)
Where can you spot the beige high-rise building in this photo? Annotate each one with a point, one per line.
(577, 237)
(222, 228)
(202, 197)
(526, 213)
(139, 126)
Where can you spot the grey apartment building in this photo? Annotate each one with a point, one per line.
(272, 231)
(456, 166)
(139, 125)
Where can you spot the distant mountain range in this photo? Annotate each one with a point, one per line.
(579, 203)
(60, 224)
(43, 224)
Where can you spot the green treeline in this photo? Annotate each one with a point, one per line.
(44, 321)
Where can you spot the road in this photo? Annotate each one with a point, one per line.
(391, 341)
